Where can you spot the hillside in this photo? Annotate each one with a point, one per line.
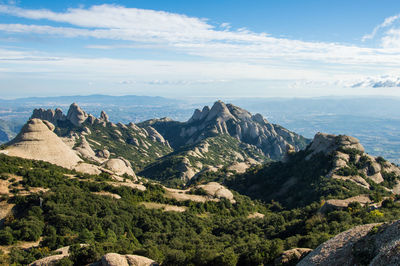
(53, 207)
(331, 167)
(79, 189)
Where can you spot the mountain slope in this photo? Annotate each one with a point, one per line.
(332, 167)
(210, 154)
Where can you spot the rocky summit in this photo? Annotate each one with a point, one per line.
(271, 139)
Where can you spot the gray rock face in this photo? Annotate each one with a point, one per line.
(252, 129)
(371, 244)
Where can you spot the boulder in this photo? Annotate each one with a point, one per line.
(119, 166)
(292, 256)
(114, 259)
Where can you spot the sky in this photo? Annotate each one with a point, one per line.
(181, 48)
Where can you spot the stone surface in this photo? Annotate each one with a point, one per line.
(114, 259)
(119, 166)
(378, 247)
(76, 115)
(37, 141)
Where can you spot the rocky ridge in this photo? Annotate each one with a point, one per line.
(273, 140)
(350, 162)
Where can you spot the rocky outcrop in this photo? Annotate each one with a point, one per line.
(327, 143)
(371, 244)
(76, 115)
(104, 117)
(119, 166)
(38, 141)
(292, 256)
(114, 259)
(154, 135)
(350, 162)
(216, 190)
(255, 130)
(53, 116)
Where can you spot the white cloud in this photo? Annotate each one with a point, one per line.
(387, 22)
(191, 35)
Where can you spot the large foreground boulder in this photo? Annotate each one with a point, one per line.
(371, 244)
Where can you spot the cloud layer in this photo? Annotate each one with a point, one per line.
(226, 54)
(191, 35)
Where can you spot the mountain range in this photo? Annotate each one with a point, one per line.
(226, 187)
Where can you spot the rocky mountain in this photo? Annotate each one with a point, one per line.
(217, 137)
(238, 206)
(273, 140)
(98, 139)
(331, 167)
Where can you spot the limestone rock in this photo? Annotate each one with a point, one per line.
(48, 261)
(359, 246)
(154, 135)
(53, 116)
(292, 256)
(104, 154)
(76, 115)
(37, 141)
(255, 130)
(114, 259)
(327, 143)
(217, 190)
(119, 166)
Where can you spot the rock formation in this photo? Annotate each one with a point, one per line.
(292, 256)
(53, 116)
(371, 244)
(119, 166)
(252, 129)
(76, 115)
(38, 141)
(114, 259)
(350, 162)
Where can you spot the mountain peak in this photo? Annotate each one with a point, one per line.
(104, 117)
(76, 115)
(327, 143)
(219, 111)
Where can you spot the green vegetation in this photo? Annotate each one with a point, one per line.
(210, 233)
(221, 150)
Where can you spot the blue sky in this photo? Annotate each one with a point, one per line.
(200, 48)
